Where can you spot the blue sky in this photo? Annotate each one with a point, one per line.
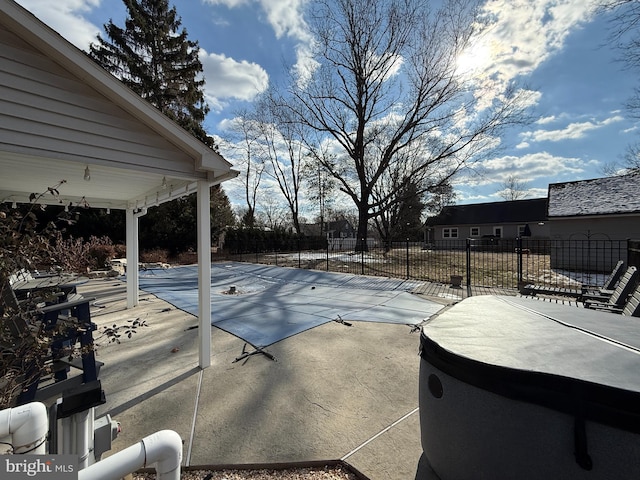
(558, 48)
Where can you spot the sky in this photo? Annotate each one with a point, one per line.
(558, 48)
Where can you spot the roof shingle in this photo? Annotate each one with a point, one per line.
(599, 196)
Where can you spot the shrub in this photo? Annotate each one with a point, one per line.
(25, 342)
(156, 255)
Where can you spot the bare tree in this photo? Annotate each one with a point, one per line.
(274, 213)
(625, 36)
(243, 144)
(283, 150)
(320, 187)
(386, 83)
(513, 188)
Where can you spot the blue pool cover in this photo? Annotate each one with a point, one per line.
(273, 303)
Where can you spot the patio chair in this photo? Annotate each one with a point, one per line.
(632, 308)
(618, 299)
(610, 282)
(607, 287)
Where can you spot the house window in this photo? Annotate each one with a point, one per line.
(450, 232)
(475, 231)
(497, 232)
(521, 230)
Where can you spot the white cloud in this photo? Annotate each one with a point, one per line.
(530, 167)
(227, 78)
(228, 3)
(545, 120)
(65, 17)
(573, 131)
(523, 34)
(287, 19)
(526, 33)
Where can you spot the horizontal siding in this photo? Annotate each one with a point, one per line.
(619, 227)
(508, 230)
(48, 110)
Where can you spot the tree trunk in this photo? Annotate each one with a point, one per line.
(363, 219)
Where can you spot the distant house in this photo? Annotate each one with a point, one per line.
(496, 220)
(597, 216)
(340, 229)
(337, 229)
(341, 234)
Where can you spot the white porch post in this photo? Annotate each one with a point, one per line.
(133, 281)
(204, 273)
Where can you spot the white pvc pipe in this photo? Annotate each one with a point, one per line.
(27, 425)
(163, 448)
(83, 437)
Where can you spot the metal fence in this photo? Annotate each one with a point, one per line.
(490, 262)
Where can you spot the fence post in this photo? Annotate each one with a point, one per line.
(407, 259)
(468, 262)
(327, 256)
(362, 256)
(519, 256)
(299, 254)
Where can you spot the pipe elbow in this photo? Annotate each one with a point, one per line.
(164, 448)
(28, 426)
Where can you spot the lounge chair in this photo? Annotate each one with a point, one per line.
(610, 282)
(607, 287)
(631, 307)
(618, 299)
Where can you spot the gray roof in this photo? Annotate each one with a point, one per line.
(514, 211)
(599, 196)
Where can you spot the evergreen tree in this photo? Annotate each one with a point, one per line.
(173, 225)
(153, 57)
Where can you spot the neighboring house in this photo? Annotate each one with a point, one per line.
(494, 220)
(597, 216)
(337, 229)
(340, 229)
(341, 234)
(605, 207)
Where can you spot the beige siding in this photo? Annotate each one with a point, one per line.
(508, 230)
(594, 244)
(48, 110)
(610, 228)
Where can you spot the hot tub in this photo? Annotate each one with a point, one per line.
(513, 388)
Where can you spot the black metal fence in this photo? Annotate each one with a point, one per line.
(491, 262)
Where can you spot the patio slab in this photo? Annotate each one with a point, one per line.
(335, 391)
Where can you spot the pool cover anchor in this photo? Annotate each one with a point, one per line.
(340, 320)
(256, 351)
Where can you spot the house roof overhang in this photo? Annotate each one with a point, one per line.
(135, 180)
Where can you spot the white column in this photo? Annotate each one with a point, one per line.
(204, 273)
(133, 283)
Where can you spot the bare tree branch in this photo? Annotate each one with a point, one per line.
(387, 98)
